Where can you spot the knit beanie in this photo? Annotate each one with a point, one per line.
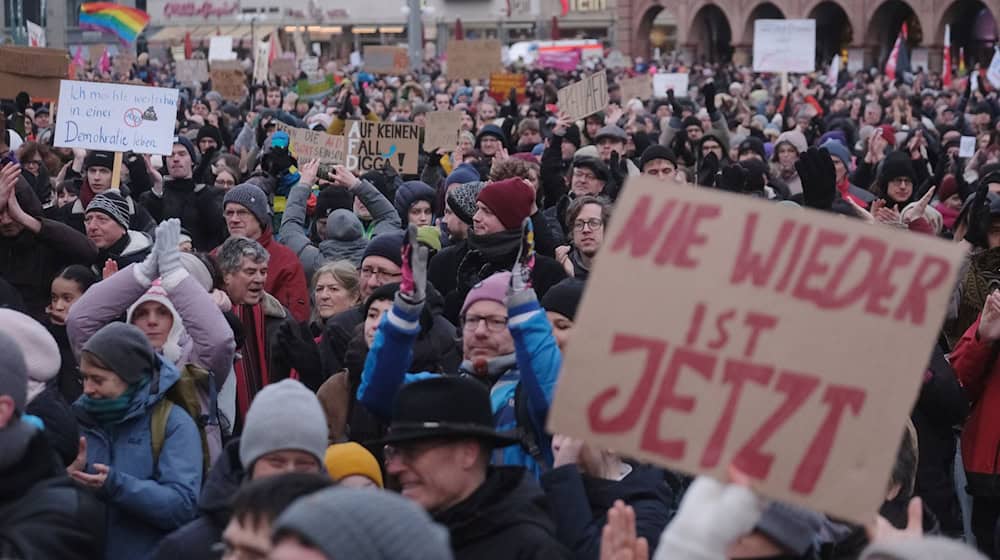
(369, 524)
(386, 245)
(888, 133)
(253, 199)
(655, 152)
(34, 341)
(345, 459)
(14, 372)
(573, 135)
(464, 173)
(754, 145)
(794, 529)
(493, 288)
(491, 130)
(564, 298)
(125, 350)
(209, 131)
(283, 416)
(795, 138)
(333, 198)
(838, 151)
(690, 121)
(462, 199)
(186, 142)
(510, 200)
(113, 205)
(895, 165)
(594, 164)
(99, 159)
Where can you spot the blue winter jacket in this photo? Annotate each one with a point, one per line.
(145, 501)
(535, 364)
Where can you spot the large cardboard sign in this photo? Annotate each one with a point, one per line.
(116, 117)
(723, 330)
(784, 45)
(473, 59)
(640, 87)
(229, 79)
(677, 81)
(585, 97)
(191, 71)
(441, 130)
(284, 67)
(386, 60)
(374, 145)
(501, 82)
(310, 144)
(32, 69)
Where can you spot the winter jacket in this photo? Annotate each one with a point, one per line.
(286, 279)
(68, 379)
(580, 505)
(975, 364)
(199, 208)
(43, 514)
(61, 428)
(506, 518)
(443, 269)
(145, 500)
(131, 248)
(194, 540)
(347, 242)
(30, 261)
(535, 365)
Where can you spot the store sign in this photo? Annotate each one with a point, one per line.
(199, 10)
(588, 5)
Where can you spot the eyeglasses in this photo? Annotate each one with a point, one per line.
(494, 323)
(900, 181)
(594, 224)
(381, 275)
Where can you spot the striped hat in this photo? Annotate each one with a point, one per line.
(113, 205)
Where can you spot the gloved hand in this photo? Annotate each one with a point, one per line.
(708, 91)
(732, 178)
(168, 237)
(149, 269)
(520, 275)
(708, 170)
(618, 167)
(819, 182)
(675, 106)
(979, 217)
(413, 287)
(300, 352)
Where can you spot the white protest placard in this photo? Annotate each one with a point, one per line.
(784, 45)
(116, 117)
(36, 34)
(221, 48)
(967, 146)
(309, 65)
(313, 144)
(376, 145)
(586, 97)
(676, 81)
(746, 366)
(260, 62)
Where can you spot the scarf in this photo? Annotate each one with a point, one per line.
(500, 246)
(251, 368)
(109, 411)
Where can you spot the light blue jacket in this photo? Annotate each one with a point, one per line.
(535, 364)
(145, 501)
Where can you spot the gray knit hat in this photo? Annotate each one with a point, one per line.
(365, 524)
(253, 198)
(113, 205)
(462, 200)
(283, 416)
(13, 372)
(125, 350)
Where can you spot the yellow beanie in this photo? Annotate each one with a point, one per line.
(345, 459)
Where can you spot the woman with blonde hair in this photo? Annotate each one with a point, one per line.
(335, 288)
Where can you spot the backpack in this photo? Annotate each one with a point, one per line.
(525, 433)
(185, 393)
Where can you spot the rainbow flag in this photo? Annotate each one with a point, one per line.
(124, 22)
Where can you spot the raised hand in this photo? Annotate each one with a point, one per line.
(167, 247)
(307, 173)
(979, 217)
(819, 181)
(989, 319)
(413, 287)
(619, 540)
(520, 277)
(110, 268)
(732, 178)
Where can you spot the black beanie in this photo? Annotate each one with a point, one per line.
(209, 131)
(573, 136)
(564, 298)
(382, 293)
(896, 164)
(657, 151)
(99, 159)
(690, 121)
(333, 198)
(387, 245)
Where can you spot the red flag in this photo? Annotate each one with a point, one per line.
(946, 70)
(459, 32)
(890, 65)
(188, 49)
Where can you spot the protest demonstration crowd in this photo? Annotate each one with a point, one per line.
(387, 312)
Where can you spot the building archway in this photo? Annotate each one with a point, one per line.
(711, 37)
(833, 29)
(657, 29)
(973, 27)
(764, 10)
(884, 25)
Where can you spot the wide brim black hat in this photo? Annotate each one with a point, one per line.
(416, 431)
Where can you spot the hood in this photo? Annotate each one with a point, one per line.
(510, 496)
(137, 243)
(344, 225)
(273, 307)
(408, 194)
(644, 483)
(177, 339)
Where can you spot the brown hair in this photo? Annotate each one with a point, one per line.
(510, 168)
(577, 206)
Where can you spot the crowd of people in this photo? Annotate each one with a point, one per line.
(233, 352)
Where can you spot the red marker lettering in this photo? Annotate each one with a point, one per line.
(736, 373)
(638, 236)
(751, 264)
(929, 276)
(626, 419)
(839, 397)
(667, 398)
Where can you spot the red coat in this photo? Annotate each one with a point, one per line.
(286, 280)
(975, 364)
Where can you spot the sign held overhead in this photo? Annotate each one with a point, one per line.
(784, 45)
(376, 145)
(586, 97)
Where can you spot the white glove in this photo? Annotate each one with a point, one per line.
(168, 237)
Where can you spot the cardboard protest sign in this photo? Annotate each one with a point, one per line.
(473, 59)
(386, 60)
(585, 97)
(283, 67)
(191, 71)
(374, 145)
(310, 144)
(229, 79)
(640, 87)
(32, 69)
(260, 62)
(501, 82)
(116, 117)
(441, 130)
(676, 81)
(722, 330)
(784, 45)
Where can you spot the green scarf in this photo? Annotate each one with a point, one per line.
(109, 411)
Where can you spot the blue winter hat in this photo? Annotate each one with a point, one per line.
(464, 173)
(491, 130)
(838, 151)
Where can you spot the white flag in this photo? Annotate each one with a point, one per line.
(261, 62)
(993, 74)
(831, 78)
(36, 34)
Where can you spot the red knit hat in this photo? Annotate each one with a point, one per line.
(889, 134)
(510, 200)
